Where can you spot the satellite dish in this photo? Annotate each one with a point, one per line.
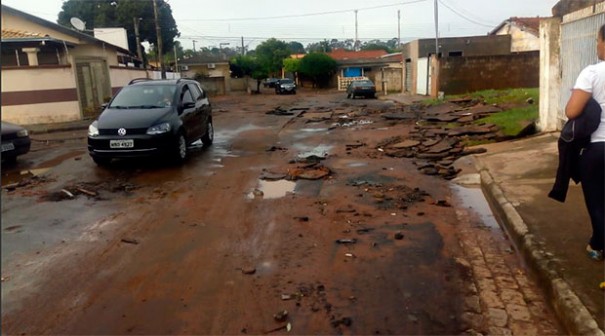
(77, 23)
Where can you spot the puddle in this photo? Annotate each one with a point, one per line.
(18, 176)
(313, 130)
(356, 123)
(272, 189)
(223, 135)
(473, 198)
(357, 164)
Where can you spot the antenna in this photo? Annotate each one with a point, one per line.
(78, 24)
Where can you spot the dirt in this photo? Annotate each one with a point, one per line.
(189, 252)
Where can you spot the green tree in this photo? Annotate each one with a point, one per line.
(296, 47)
(120, 13)
(248, 66)
(271, 55)
(319, 67)
(322, 46)
(292, 65)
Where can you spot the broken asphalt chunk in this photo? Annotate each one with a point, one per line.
(248, 270)
(130, 241)
(281, 316)
(398, 236)
(346, 241)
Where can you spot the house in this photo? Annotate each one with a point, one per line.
(419, 54)
(52, 73)
(212, 71)
(524, 32)
(370, 64)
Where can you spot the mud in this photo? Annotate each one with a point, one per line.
(232, 237)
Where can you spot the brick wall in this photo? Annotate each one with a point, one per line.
(468, 74)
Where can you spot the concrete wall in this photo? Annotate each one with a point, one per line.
(214, 86)
(32, 95)
(550, 74)
(521, 40)
(392, 78)
(241, 84)
(121, 76)
(468, 74)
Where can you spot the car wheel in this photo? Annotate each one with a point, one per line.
(180, 150)
(348, 96)
(101, 162)
(209, 136)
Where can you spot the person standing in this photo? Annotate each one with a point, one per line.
(591, 84)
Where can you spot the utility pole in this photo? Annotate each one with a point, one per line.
(135, 21)
(243, 50)
(398, 28)
(158, 32)
(194, 46)
(356, 36)
(436, 29)
(176, 60)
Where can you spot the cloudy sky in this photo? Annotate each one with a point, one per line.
(211, 23)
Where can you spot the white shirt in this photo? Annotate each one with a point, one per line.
(592, 80)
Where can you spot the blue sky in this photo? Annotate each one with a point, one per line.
(210, 23)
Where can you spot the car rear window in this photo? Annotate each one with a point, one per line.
(144, 96)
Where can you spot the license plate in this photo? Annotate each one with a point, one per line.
(121, 143)
(8, 146)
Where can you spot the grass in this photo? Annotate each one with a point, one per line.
(512, 122)
(517, 114)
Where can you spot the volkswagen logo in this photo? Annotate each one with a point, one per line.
(122, 131)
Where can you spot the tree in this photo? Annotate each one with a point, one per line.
(296, 47)
(271, 55)
(120, 13)
(242, 66)
(322, 46)
(320, 67)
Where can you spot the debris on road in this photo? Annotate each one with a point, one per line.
(280, 112)
(68, 193)
(346, 321)
(346, 241)
(87, 192)
(312, 172)
(398, 236)
(130, 241)
(281, 316)
(248, 270)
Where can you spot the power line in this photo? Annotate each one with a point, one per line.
(470, 15)
(308, 14)
(464, 17)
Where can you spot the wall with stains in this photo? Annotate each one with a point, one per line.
(468, 74)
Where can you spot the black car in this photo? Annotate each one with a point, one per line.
(152, 118)
(364, 87)
(15, 141)
(270, 82)
(285, 85)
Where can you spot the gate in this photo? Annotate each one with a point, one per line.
(93, 86)
(422, 80)
(408, 76)
(578, 50)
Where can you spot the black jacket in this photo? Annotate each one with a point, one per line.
(574, 137)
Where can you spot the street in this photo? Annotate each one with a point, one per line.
(294, 221)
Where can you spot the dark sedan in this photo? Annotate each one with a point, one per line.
(363, 88)
(270, 82)
(15, 141)
(152, 118)
(285, 85)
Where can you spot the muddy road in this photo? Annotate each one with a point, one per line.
(292, 221)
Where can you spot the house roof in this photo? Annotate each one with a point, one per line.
(531, 24)
(342, 54)
(54, 26)
(18, 34)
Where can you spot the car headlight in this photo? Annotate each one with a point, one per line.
(22, 133)
(159, 129)
(93, 131)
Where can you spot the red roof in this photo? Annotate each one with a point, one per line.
(342, 54)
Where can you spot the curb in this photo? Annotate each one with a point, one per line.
(52, 129)
(570, 310)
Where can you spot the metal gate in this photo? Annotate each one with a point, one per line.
(422, 80)
(578, 50)
(93, 86)
(408, 76)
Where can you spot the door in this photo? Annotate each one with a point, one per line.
(93, 86)
(422, 80)
(189, 115)
(408, 76)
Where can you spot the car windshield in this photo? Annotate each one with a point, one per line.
(144, 96)
(286, 81)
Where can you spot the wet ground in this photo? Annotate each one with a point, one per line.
(294, 221)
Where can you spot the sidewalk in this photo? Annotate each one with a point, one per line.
(516, 177)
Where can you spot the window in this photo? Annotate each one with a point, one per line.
(455, 54)
(186, 96)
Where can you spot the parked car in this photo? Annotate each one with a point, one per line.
(285, 85)
(15, 141)
(152, 118)
(363, 87)
(270, 82)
